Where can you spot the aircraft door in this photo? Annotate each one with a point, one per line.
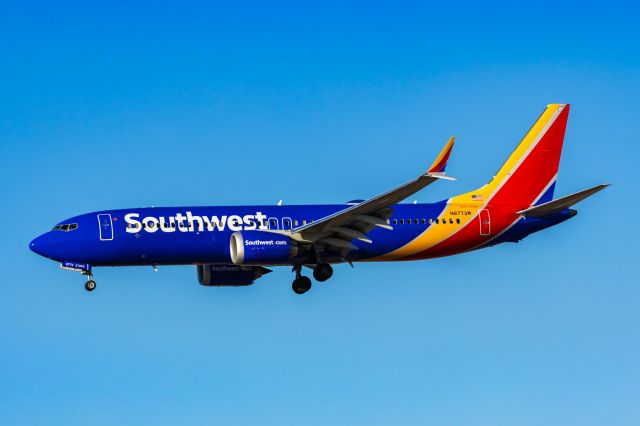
(286, 223)
(105, 226)
(485, 222)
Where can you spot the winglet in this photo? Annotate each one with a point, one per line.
(440, 163)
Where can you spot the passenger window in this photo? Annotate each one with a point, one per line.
(416, 221)
(304, 221)
(424, 221)
(457, 220)
(401, 221)
(295, 222)
(451, 221)
(437, 221)
(395, 221)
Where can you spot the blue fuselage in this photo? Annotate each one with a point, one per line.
(201, 235)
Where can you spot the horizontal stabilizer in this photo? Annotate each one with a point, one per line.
(556, 206)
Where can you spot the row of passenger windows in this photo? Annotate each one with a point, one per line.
(66, 227)
(424, 221)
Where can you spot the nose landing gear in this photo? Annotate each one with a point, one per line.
(90, 285)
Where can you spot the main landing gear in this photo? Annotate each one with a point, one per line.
(322, 272)
(302, 284)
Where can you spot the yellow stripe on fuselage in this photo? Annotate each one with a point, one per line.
(437, 232)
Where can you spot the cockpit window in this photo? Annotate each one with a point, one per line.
(65, 227)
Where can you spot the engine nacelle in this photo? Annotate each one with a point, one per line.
(261, 248)
(229, 275)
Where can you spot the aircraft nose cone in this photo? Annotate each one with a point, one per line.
(38, 244)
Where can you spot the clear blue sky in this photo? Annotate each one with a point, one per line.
(138, 104)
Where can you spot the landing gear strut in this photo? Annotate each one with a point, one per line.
(301, 284)
(322, 272)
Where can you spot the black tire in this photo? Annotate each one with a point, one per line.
(301, 285)
(322, 272)
(90, 285)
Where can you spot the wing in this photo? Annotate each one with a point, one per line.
(339, 229)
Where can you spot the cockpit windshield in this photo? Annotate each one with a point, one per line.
(65, 227)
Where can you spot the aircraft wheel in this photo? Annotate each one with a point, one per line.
(322, 272)
(90, 285)
(301, 285)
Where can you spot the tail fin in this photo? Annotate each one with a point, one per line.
(528, 176)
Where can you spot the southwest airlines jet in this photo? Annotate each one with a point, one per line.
(233, 246)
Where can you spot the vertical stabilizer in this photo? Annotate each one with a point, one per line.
(528, 176)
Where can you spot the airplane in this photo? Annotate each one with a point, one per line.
(235, 245)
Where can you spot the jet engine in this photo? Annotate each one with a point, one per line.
(229, 275)
(261, 248)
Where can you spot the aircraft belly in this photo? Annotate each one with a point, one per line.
(164, 249)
